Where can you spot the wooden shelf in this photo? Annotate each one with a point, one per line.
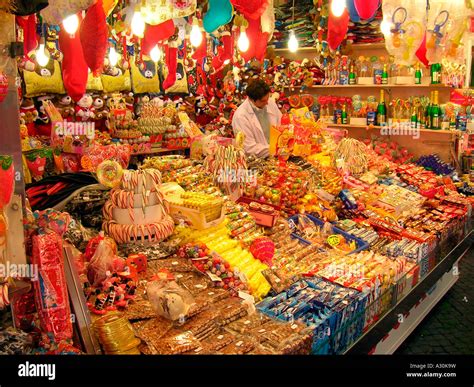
(373, 86)
(355, 46)
(349, 126)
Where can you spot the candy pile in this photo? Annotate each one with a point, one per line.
(218, 270)
(435, 164)
(166, 163)
(334, 314)
(218, 239)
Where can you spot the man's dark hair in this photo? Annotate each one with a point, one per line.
(257, 89)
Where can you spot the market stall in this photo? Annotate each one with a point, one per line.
(148, 219)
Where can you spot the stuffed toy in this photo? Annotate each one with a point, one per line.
(100, 113)
(94, 37)
(83, 108)
(129, 100)
(65, 107)
(43, 122)
(29, 114)
(75, 70)
(219, 13)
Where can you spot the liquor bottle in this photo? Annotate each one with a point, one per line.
(435, 113)
(384, 75)
(435, 73)
(428, 114)
(417, 75)
(414, 119)
(344, 115)
(352, 76)
(382, 110)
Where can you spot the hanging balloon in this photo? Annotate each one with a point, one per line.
(7, 180)
(3, 87)
(354, 15)
(366, 9)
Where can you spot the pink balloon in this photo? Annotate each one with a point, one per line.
(421, 52)
(366, 8)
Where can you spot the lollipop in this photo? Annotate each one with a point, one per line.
(109, 173)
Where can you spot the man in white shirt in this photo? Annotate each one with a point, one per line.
(255, 117)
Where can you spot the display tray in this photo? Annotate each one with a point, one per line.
(441, 261)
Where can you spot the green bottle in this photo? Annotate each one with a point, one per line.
(384, 75)
(414, 119)
(352, 76)
(417, 75)
(428, 113)
(344, 115)
(382, 110)
(435, 73)
(435, 113)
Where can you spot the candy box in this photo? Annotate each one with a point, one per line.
(265, 214)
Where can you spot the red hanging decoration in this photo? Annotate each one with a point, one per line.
(30, 38)
(94, 37)
(3, 87)
(155, 34)
(172, 64)
(421, 52)
(337, 29)
(251, 9)
(74, 67)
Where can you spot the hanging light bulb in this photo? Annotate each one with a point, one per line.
(385, 27)
(155, 54)
(71, 24)
(243, 42)
(293, 42)
(138, 23)
(338, 7)
(196, 35)
(113, 57)
(42, 57)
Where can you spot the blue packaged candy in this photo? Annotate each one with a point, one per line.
(348, 199)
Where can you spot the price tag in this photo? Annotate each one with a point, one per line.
(213, 277)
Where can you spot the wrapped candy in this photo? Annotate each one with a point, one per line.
(51, 296)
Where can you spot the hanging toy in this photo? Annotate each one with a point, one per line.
(435, 35)
(219, 13)
(398, 18)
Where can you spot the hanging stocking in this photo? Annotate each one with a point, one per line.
(155, 34)
(30, 38)
(337, 29)
(366, 8)
(94, 37)
(421, 52)
(172, 63)
(226, 51)
(258, 41)
(74, 67)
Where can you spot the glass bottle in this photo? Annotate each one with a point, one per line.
(382, 110)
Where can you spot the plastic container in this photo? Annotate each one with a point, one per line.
(267, 219)
(361, 245)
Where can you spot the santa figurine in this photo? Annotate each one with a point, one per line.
(83, 108)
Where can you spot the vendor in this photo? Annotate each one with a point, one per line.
(255, 117)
